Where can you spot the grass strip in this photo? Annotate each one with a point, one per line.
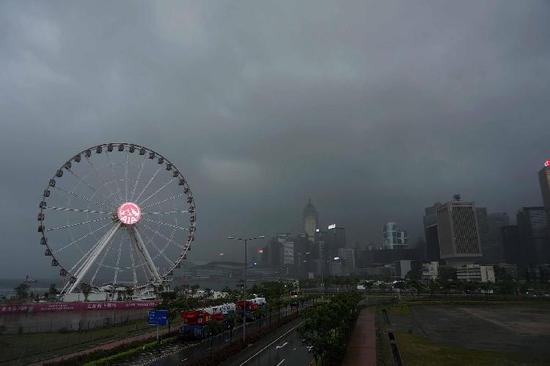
(417, 350)
(108, 360)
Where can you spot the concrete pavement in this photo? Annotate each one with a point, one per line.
(362, 344)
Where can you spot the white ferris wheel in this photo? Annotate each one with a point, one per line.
(116, 214)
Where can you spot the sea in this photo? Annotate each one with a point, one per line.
(37, 286)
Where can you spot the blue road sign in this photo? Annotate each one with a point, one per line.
(158, 317)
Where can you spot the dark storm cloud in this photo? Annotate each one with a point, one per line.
(374, 109)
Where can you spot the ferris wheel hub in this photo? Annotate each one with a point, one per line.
(129, 213)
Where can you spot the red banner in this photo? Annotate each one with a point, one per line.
(76, 306)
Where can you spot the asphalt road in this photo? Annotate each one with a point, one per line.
(282, 348)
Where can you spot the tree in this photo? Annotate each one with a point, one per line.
(52, 291)
(328, 326)
(129, 292)
(415, 274)
(22, 290)
(447, 274)
(85, 289)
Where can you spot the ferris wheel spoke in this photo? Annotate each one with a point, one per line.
(100, 263)
(126, 176)
(165, 224)
(141, 165)
(101, 177)
(161, 252)
(83, 198)
(114, 175)
(84, 258)
(135, 236)
(173, 212)
(132, 259)
(159, 233)
(171, 198)
(78, 223)
(94, 189)
(148, 183)
(99, 247)
(117, 265)
(70, 209)
(81, 238)
(157, 191)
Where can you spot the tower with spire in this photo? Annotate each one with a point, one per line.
(311, 221)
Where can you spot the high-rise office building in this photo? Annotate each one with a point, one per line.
(346, 256)
(482, 227)
(533, 235)
(511, 246)
(394, 237)
(492, 248)
(544, 181)
(458, 231)
(311, 220)
(334, 240)
(430, 233)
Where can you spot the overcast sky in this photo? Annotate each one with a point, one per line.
(374, 109)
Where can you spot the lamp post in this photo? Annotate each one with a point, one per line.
(246, 240)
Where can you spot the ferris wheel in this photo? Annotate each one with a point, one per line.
(116, 214)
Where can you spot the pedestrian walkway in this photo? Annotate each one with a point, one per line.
(362, 344)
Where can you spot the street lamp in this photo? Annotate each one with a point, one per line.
(246, 240)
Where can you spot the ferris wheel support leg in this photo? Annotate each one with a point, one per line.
(136, 236)
(81, 272)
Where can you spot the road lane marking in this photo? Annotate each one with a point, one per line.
(282, 345)
(280, 363)
(269, 345)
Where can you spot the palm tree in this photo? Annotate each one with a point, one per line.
(22, 290)
(85, 289)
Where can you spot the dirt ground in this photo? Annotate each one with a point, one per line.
(503, 328)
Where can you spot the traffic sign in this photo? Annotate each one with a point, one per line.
(158, 317)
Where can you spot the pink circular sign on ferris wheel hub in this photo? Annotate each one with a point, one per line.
(129, 213)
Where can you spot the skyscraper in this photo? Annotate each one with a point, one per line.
(544, 181)
(533, 235)
(335, 239)
(430, 233)
(482, 227)
(394, 237)
(511, 247)
(493, 249)
(458, 231)
(311, 221)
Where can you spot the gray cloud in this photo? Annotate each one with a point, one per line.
(374, 109)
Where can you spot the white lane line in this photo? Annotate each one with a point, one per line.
(282, 345)
(269, 345)
(280, 363)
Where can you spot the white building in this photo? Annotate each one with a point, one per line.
(430, 271)
(394, 237)
(475, 273)
(402, 268)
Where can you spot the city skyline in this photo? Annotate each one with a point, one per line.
(373, 125)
